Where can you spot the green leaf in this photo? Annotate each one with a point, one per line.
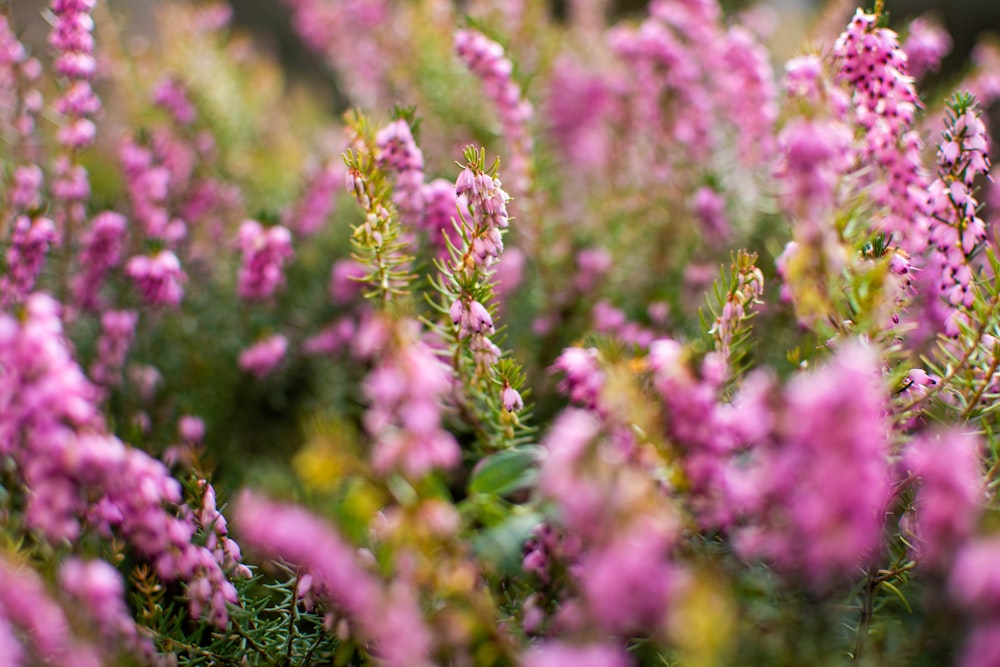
(503, 544)
(895, 591)
(506, 471)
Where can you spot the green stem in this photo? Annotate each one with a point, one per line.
(867, 608)
(980, 332)
(982, 387)
(254, 645)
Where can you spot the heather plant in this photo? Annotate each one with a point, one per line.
(581, 339)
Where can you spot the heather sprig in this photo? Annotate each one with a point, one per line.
(730, 302)
(378, 242)
(489, 390)
(485, 58)
(957, 233)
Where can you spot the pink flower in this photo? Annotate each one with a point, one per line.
(170, 95)
(82, 476)
(316, 203)
(592, 265)
(825, 484)
(485, 58)
(117, 331)
(159, 277)
(626, 583)
(512, 401)
(925, 46)
(710, 209)
(405, 391)
(584, 378)
(399, 154)
(191, 428)
(25, 605)
(265, 253)
(950, 494)
(260, 359)
(388, 616)
(346, 280)
(100, 590)
(29, 243)
(102, 250)
(562, 654)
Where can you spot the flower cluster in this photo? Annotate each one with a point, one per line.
(405, 390)
(347, 36)
(261, 358)
(624, 574)
(265, 253)
(399, 154)
(159, 277)
(25, 257)
(382, 614)
(874, 67)
(485, 58)
(98, 588)
(117, 332)
(823, 486)
(82, 477)
(102, 246)
(957, 231)
(926, 45)
(316, 204)
(149, 185)
(27, 610)
(483, 212)
(73, 43)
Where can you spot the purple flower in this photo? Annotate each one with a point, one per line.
(191, 428)
(471, 317)
(982, 645)
(626, 583)
(405, 390)
(592, 264)
(566, 443)
(815, 155)
(80, 476)
(576, 110)
(710, 209)
(955, 230)
(874, 68)
(439, 213)
(26, 193)
(348, 37)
